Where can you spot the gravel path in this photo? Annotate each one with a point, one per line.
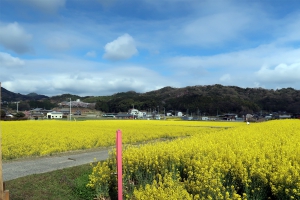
(19, 168)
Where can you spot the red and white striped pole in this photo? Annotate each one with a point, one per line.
(119, 164)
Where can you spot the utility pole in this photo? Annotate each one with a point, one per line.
(70, 108)
(17, 106)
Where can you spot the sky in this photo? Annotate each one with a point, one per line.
(102, 47)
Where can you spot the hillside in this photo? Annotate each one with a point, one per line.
(210, 99)
(9, 96)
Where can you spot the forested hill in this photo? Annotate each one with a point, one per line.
(13, 97)
(211, 99)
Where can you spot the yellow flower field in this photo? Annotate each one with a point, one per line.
(259, 161)
(36, 138)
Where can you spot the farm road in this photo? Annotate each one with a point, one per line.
(15, 169)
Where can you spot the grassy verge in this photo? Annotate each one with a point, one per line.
(64, 184)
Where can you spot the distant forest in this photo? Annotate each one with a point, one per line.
(192, 100)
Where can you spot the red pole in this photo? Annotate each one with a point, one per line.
(119, 164)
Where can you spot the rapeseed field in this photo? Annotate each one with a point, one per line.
(37, 138)
(256, 161)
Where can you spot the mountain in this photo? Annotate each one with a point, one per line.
(195, 100)
(211, 99)
(9, 96)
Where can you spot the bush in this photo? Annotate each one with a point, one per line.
(80, 188)
(3, 114)
(19, 114)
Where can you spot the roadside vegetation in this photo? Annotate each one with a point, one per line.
(64, 184)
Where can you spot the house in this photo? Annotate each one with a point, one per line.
(169, 114)
(109, 115)
(125, 116)
(137, 113)
(230, 117)
(39, 112)
(65, 111)
(285, 116)
(133, 111)
(55, 115)
(9, 116)
(179, 114)
(204, 118)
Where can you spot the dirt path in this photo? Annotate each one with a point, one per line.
(19, 168)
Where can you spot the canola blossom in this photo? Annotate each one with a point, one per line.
(257, 161)
(39, 138)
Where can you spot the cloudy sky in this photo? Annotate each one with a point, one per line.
(101, 47)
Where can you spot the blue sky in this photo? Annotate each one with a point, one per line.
(101, 47)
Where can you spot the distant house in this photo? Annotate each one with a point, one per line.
(125, 116)
(65, 111)
(179, 114)
(55, 115)
(39, 112)
(133, 111)
(204, 118)
(9, 116)
(137, 113)
(109, 115)
(285, 116)
(168, 114)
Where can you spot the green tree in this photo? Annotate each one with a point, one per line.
(24, 106)
(3, 113)
(19, 114)
(101, 105)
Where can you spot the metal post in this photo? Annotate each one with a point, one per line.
(119, 164)
(70, 108)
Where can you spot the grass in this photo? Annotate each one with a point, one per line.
(64, 184)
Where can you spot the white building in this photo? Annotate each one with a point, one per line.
(204, 118)
(179, 114)
(136, 113)
(54, 115)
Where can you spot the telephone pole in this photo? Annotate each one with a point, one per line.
(70, 108)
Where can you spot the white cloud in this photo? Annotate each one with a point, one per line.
(13, 37)
(6, 60)
(54, 77)
(242, 67)
(282, 73)
(121, 48)
(92, 54)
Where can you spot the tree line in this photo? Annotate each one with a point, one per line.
(192, 100)
(211, 100)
